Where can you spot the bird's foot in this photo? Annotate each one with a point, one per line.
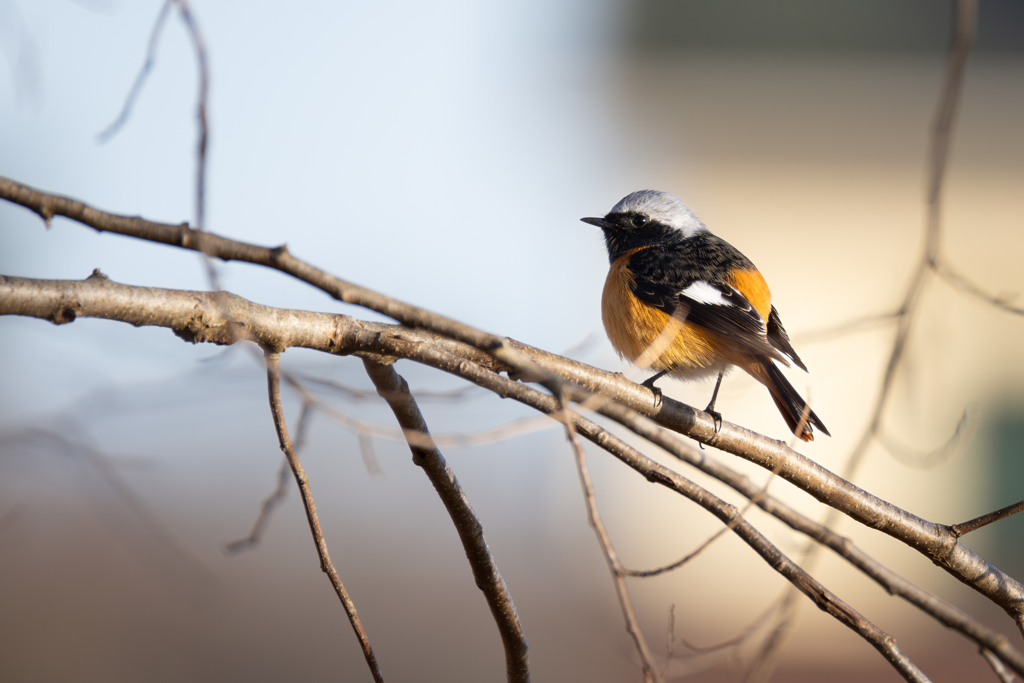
(716, 416)
(649, 383)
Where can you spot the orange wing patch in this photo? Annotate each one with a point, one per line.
(751, 285)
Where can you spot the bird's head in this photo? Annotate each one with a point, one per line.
(646, 218)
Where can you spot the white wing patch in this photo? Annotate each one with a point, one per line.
(706, 293)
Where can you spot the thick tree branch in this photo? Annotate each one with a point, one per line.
(222, 318)
(936, 541)
(181, 235)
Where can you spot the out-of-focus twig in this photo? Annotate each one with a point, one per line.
(1001, 672)
(941, 137)
(650, 672)
(271, 502)
(926, 459)
(961, 282)
(274, 390)
(147, 66)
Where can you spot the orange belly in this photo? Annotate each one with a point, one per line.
(693, 351)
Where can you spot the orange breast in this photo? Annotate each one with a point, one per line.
(633, 326)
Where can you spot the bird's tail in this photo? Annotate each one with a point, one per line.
(790, 403)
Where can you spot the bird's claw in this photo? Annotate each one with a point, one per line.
(717, 417)
(654, 390)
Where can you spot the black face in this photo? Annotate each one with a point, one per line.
(624, 232)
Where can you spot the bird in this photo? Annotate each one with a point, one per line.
(688, 304)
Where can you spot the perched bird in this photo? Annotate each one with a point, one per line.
(692, 304)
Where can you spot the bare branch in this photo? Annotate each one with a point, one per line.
(274, 390)
(267, 508)
(821, 596)
(862, 324)
(147, 66)
(195, 317)
(978, 522)
(395, 391)
(941, 137)
(1004, 674)
(47, 206)
(204, 90)
(650, 673)
(942, 133)
(961, 282)
(271, 502)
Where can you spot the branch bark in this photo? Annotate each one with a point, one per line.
(274, 390)
(393, 389)
(222, 318)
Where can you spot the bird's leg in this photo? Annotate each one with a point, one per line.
(649, 383)
(710, 410)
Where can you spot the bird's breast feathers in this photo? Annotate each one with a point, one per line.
(708, 322)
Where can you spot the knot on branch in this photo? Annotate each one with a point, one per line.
(200, 328)
(64, 312)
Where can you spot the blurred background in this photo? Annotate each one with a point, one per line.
(443, 153)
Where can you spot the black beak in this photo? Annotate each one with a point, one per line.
(599, 222)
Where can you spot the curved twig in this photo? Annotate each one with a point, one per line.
(393, 389)
(274, 390)
(619, 573)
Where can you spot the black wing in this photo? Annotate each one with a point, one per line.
(778, 338)
(715, 306)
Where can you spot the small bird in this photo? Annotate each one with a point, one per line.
(695, 301)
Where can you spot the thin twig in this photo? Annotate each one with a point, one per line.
(267, 508)
(927, 459)
(862, 324)
(274, 390)
(1004, 674)
(201, 109)
(941, 137)
(271, 502)
(395, 391)
(366, 429)
(978, 522)
(738, 639)
(650, 672)
(454, 395)
(147, 66)
(962, 283)
(368, 452)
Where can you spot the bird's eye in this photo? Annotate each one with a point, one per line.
(640, 221)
